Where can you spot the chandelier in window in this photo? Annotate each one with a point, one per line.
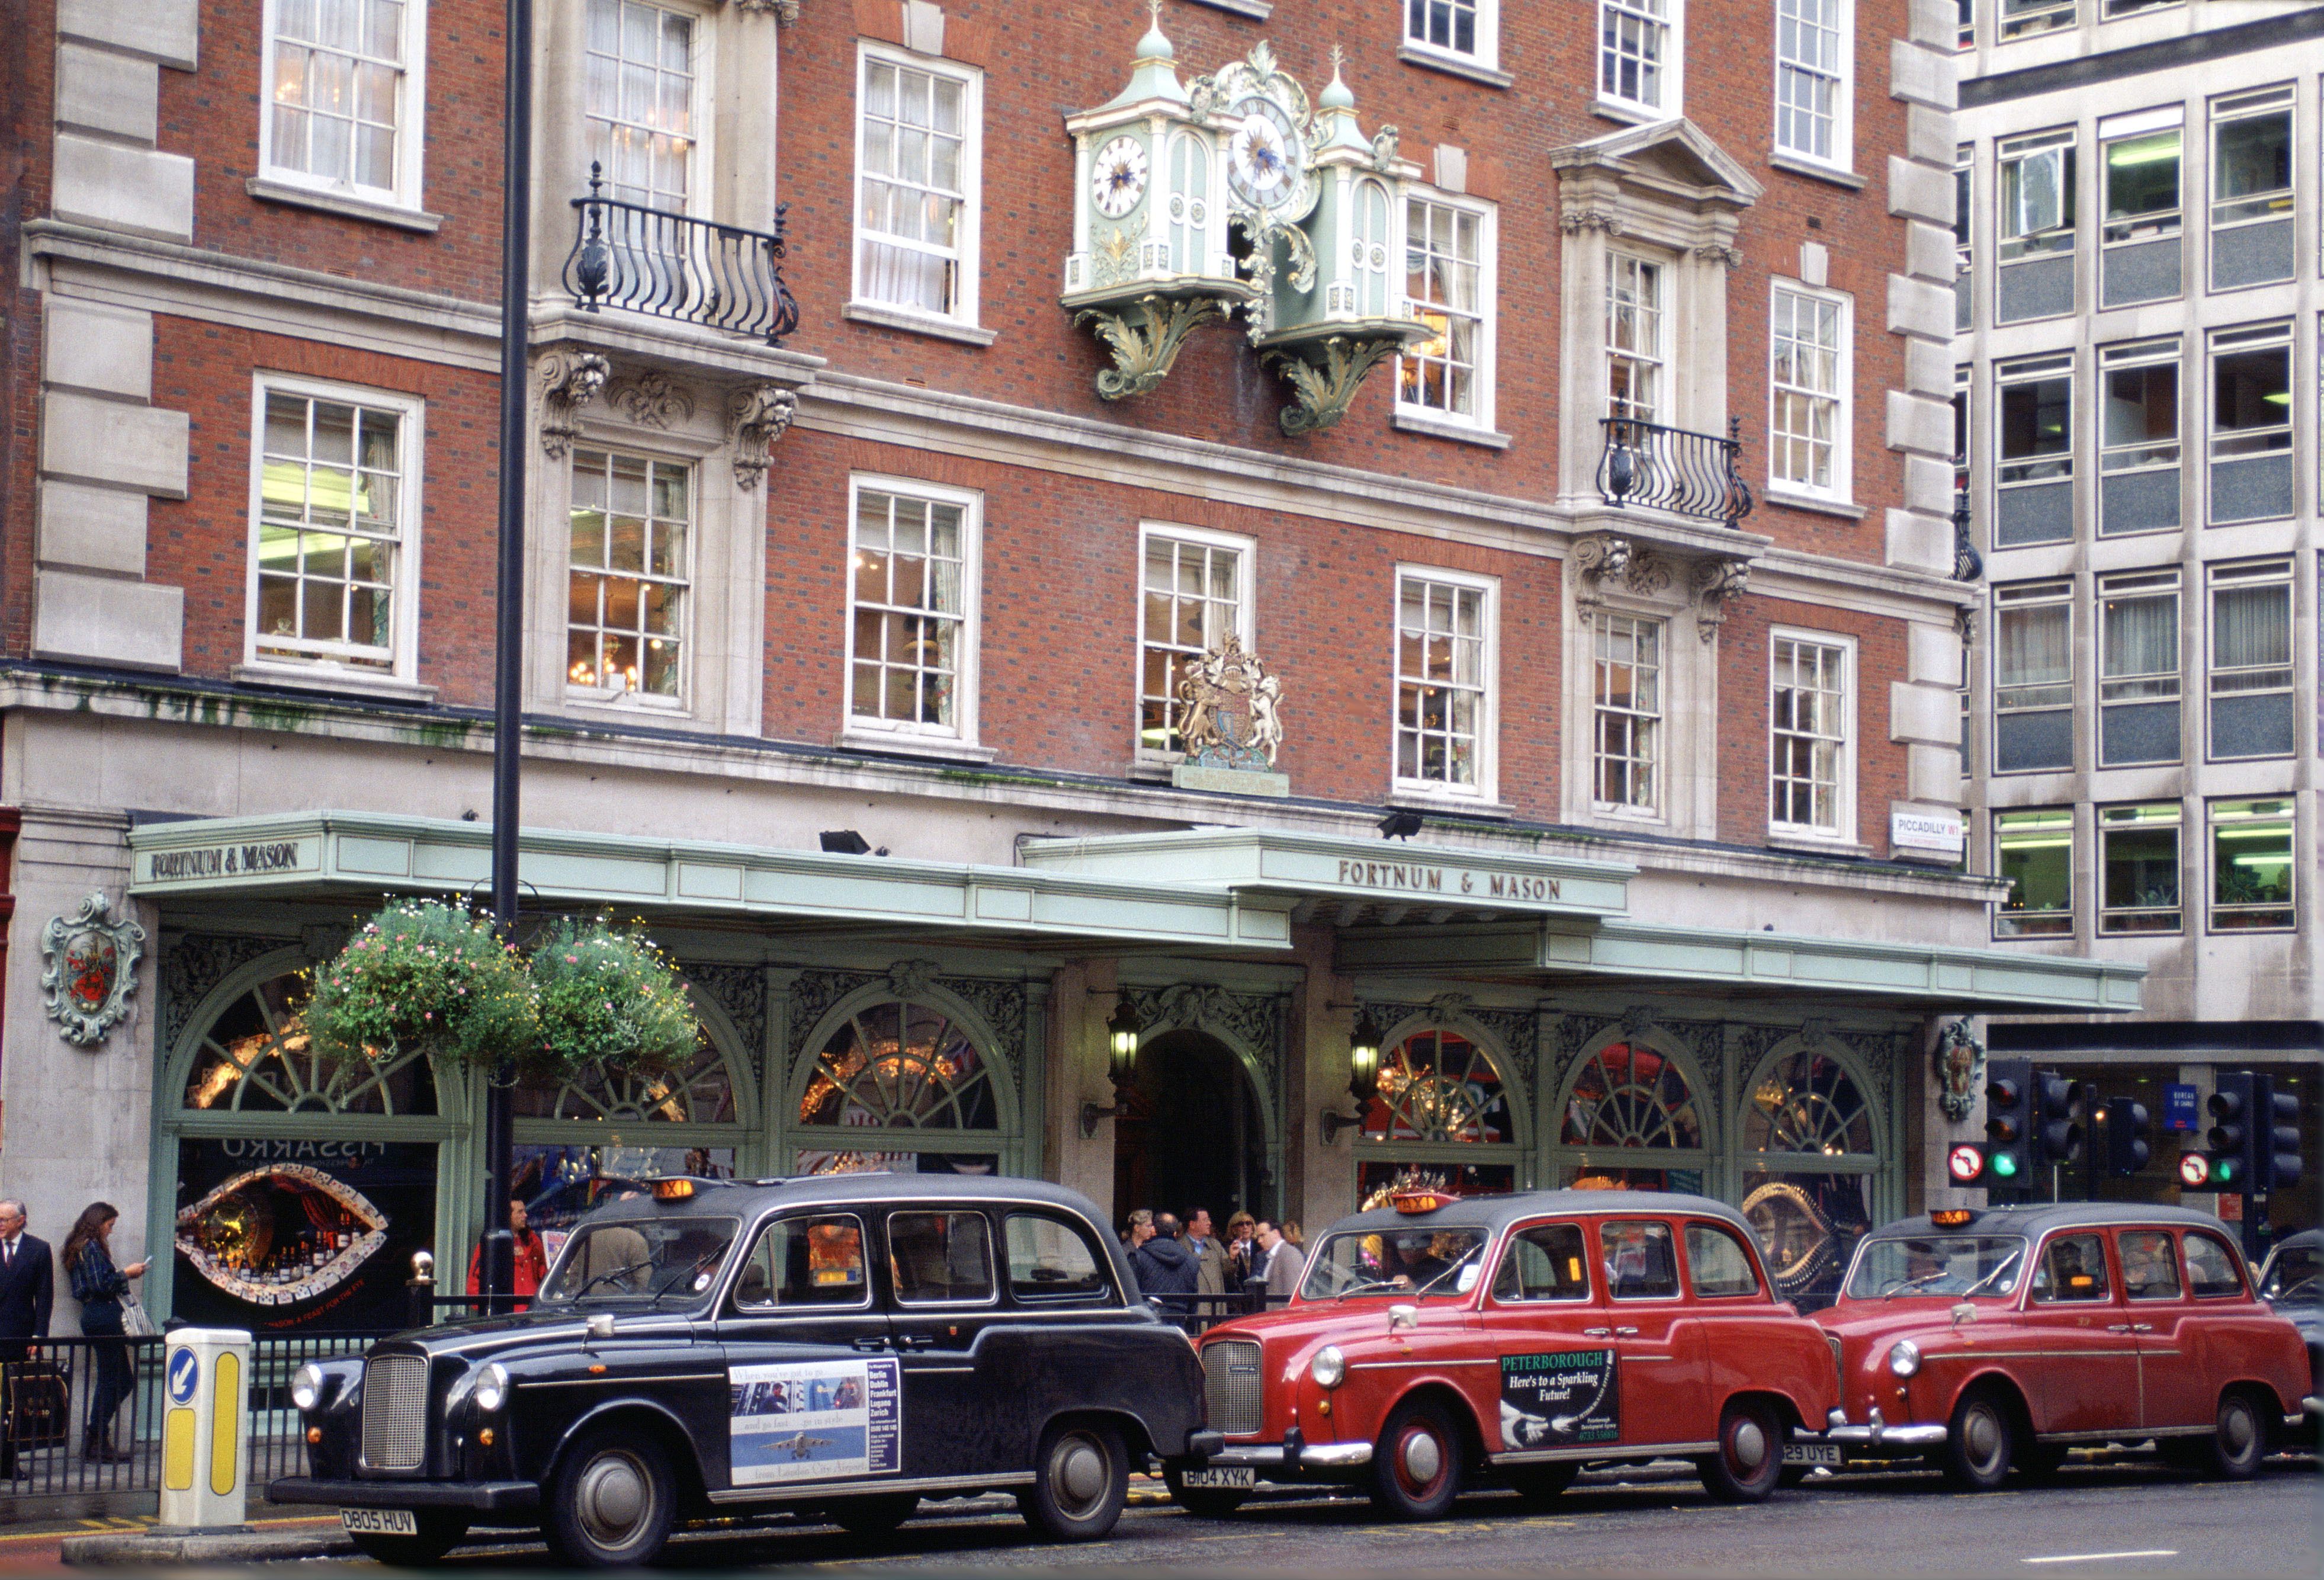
(1438, 1087)
(898, 1065)
(1627, 1096)
(1808, 1102)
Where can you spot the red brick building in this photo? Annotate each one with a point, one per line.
(1606, 534)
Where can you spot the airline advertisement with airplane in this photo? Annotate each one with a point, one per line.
(816, 1421)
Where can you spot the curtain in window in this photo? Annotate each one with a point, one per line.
(2141, 636)
(2251, 627)
(2036, 647)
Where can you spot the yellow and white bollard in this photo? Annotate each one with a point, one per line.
(205, 1407)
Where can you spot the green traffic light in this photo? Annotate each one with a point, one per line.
(2003, 1164)
(2223, 1170)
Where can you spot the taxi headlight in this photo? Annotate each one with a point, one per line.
(1905, 1359)
(492, 1388)
(307, 1386)
(1329, 1368)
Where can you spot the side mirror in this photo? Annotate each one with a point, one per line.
(600, 1326)
(1402, 1319)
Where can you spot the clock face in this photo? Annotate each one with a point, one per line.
(1265, 157)
(1118, 177)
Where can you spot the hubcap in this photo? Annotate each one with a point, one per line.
(614, 1499)
(1423, 1457)
(2236, 1430)
(1984, 1434)
(1750, 1445)
(1077, 1473)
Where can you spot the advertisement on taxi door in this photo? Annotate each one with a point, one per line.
(817, 1420)
(1559, 1398)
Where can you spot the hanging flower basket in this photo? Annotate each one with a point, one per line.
(424, 977)
(607, 995)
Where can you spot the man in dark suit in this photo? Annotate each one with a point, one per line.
(28, 1292)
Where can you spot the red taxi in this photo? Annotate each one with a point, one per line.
(1514, 1337)
(1984, 1340)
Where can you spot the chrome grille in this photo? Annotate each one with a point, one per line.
(1232, 1394)
(395, 1412)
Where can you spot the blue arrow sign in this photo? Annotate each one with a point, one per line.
(185, 1373)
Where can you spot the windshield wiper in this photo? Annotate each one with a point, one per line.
(1450, 1268)
(2006, 1263)
(617, 1273)
(1358, 1288)
(1909, 1285)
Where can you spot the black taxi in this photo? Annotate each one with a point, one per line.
(846, 1345)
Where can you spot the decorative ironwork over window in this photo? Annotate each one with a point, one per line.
(1439, 1086)
(1808, 1103)
(255, 1059)
(900, 1066)
(1629, 1095)
(702, 1093)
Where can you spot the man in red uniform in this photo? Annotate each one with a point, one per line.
(531, 1257)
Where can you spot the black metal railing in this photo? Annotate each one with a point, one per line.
(646, 260)
(1687, 473)
(49, 1387)
(1198, 1314)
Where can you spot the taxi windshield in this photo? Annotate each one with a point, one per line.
(2292, 1274)
(640, 1259)
(1936, 1264)
(1395, 1262)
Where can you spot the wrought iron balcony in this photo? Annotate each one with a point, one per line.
(719, 276)
(1969, 565)
(1669, 469)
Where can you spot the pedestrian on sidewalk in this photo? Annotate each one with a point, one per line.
(99, 1286)
(531, 1257)
(1209, 1255)
(1241, 1252)
(1165, 1269)
(1278, 1271)
(28, 1292)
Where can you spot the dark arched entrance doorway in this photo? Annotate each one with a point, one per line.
(1192, 1135)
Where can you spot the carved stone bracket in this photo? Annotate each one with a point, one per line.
(1325, 376)
(1384, 149)
(757, 416)
(1716, 582)
(570, 380)
(1144, 339)
(652, 401)
(1603, 559)
(1581, 220)
(1639, 1019)
(786, 12)
(1720, 253)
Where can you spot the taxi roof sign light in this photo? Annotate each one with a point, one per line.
(1424, 1199)
(1952, 1218)
(673, 1189)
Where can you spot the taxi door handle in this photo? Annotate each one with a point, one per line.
(2142, 1327)
(915, 1341)
(2122, 1328)
(1626, 1333)
(872, 1342)
(1597, 1333)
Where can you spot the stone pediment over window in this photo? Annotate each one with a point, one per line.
(1667, 183)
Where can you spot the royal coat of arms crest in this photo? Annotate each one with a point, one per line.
(1230, 710)
(91, 969)
(1961, 1070)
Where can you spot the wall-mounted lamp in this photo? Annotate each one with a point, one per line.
(1122, 1030)
(1363, 1076)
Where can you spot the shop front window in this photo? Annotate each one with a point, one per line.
(1438, 1087)
(911, 1071)
(1813, 1142)
(1631, 1099)
(256, 1058)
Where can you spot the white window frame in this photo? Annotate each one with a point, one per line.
(1655, 809)
(1657, 359)
(689, 624)
(403, 665)
(1487, 216)
(962, 731)
(1843, 427)
(411, 119)
(1842, 154)
(1488, 589)
(970, 248)
(1673, 24)
(1246, 553)
(1488, 52)
(700, 167)
(1842, 830)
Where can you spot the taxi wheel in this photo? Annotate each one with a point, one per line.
(1536, 1485)
(1081, 1480)
(1205, 1502)
(1750, 1457)
(1416, 1463)
(1979, 1443)
(873, 1516)
(440, 1531)
(2233, 1452)
(611, 1501)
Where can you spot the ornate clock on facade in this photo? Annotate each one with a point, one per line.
(1118, 177)
(1267, 156)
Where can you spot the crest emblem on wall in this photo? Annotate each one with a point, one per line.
(1961, 1070)
(91, 969)
(1233, 710)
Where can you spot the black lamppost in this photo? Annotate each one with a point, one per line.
(497, 1273)
(1121, 1033)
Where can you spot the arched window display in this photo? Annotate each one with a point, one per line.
(601, 1135)
(1812, 1155)
(303, 1183)
(912, 1072)
(1630, 1121)
(1441, 1116)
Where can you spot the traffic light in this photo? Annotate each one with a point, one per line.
(2056, 1134)
(2008, 1129)
(2231, 1138)
(2127, 1147)
(2276, 1121)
